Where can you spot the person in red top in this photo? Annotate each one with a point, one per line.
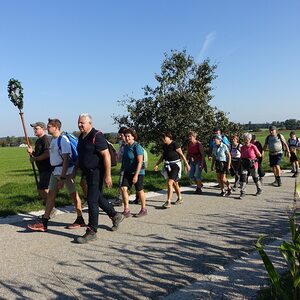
(249, 163)
(195, 157)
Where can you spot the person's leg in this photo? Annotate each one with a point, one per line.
(140, 192)
(198, 176)
(254, 174)
(43, 193)
(83, 186)
(243, 184)
(170, 190)
(70, 185)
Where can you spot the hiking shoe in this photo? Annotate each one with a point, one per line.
(117, 202)
(167, 204)
(295, 174)
(126, 213)
(117, 219)
(259, 191)
(79, 222)
(179, 201)
(198, 191)
(89, 236)
(229, 192)
(222, 194)
(38, 226)
(242, 195)
(143, 212)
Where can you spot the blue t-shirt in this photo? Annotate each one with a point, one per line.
(129, 159)
(220, 152)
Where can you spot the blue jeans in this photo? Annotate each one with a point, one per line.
(95, 198)
(195, 171)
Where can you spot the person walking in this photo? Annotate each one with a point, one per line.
(134, 172)
(60, 176)
(95, 163)
(261, 172)
(294, 146)
(249, 164)
(235, 152)
(195, 157)
(40, 156)
(171, 156)
(221, 161)
(276, 144)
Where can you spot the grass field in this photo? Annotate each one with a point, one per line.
(18, 191)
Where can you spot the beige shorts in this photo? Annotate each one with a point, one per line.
(69, 183)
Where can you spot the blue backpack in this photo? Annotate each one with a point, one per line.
(73, 143)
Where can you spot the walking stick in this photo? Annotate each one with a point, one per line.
(15, 93)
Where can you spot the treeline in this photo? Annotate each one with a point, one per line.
(290, 124)
(13, 141)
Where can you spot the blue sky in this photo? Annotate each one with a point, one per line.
(83, 56)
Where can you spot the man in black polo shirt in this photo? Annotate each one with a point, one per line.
(95, 163)
(40, 156)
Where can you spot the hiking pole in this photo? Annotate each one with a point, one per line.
(15, 93)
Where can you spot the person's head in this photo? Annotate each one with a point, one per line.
(272, 130)
(192, 136)
(167, 137)
(247, 138)
(235, 139)
(39, 128)
(54, 126)
(292, 134)
(253, 138)
(85, 123)
(218, 139)
(217, 131)
(130, 136)
(121, 133)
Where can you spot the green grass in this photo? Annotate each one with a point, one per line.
(18, 190)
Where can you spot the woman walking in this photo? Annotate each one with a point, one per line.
(171, 156)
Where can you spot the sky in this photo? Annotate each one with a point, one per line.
(76, 56)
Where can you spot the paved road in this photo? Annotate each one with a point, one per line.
(202, 249)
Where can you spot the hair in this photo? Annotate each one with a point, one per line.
(247, 136)
(130, 131)
(193, 133)
(122, 129)
(86, 116)
(253, 137)
(235, 136)
(54, 123)
(168, 134)
(292, 133)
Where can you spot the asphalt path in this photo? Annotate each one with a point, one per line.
(201, 249)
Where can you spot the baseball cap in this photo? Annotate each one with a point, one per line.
(272, 128)
(41, 124)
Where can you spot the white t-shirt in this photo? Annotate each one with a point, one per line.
(56, 154)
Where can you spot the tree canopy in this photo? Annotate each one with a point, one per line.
(179, 103)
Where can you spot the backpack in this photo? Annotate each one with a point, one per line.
(111, 149)
(73, 143)
(278, 136)
(145, 156)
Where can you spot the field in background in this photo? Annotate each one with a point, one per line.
(18, 190)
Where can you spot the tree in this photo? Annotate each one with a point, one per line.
(179, 103)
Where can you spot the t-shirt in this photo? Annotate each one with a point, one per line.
(293, 143)
(129, 158)
(89, 149)
(220, 152)
(235, 151)
(41, 145)
(194, 151)
(250, 152)
(56, 154)
(169, 151)
(275, 144)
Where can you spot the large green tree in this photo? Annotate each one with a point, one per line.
(179, 103)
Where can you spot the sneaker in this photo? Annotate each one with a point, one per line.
(167, 204)
(198, 191)
(222, 194)
(38, 226)
(259, 191)
(229, 192)
(295, 174)
(117, 219)
(79, 222)
(142, 213)
(242, 195)
(89, 236)
(179, 201)
(126, 213)
(117, 202)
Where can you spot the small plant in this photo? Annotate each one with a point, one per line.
(291, 253)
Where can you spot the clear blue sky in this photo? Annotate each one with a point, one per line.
(76, 56)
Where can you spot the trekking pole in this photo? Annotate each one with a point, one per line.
(15, 94)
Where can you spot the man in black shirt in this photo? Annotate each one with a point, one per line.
(40, 156)
(95, 162)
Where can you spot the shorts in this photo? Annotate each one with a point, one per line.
(44, 178)
(173, 172)
(293, 157)
(127, 181)
(195, 171)
(221, 167)
(69, 183)
(275, 159)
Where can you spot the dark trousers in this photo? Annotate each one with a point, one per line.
(95, 198)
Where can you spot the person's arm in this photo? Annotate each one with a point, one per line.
(43, 156)
(201, 150)
(179, 151)
(228, 158)
(158, 162)
(107, 167)
(138, 168)
(285, 145)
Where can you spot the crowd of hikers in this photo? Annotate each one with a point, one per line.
(60, 158)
